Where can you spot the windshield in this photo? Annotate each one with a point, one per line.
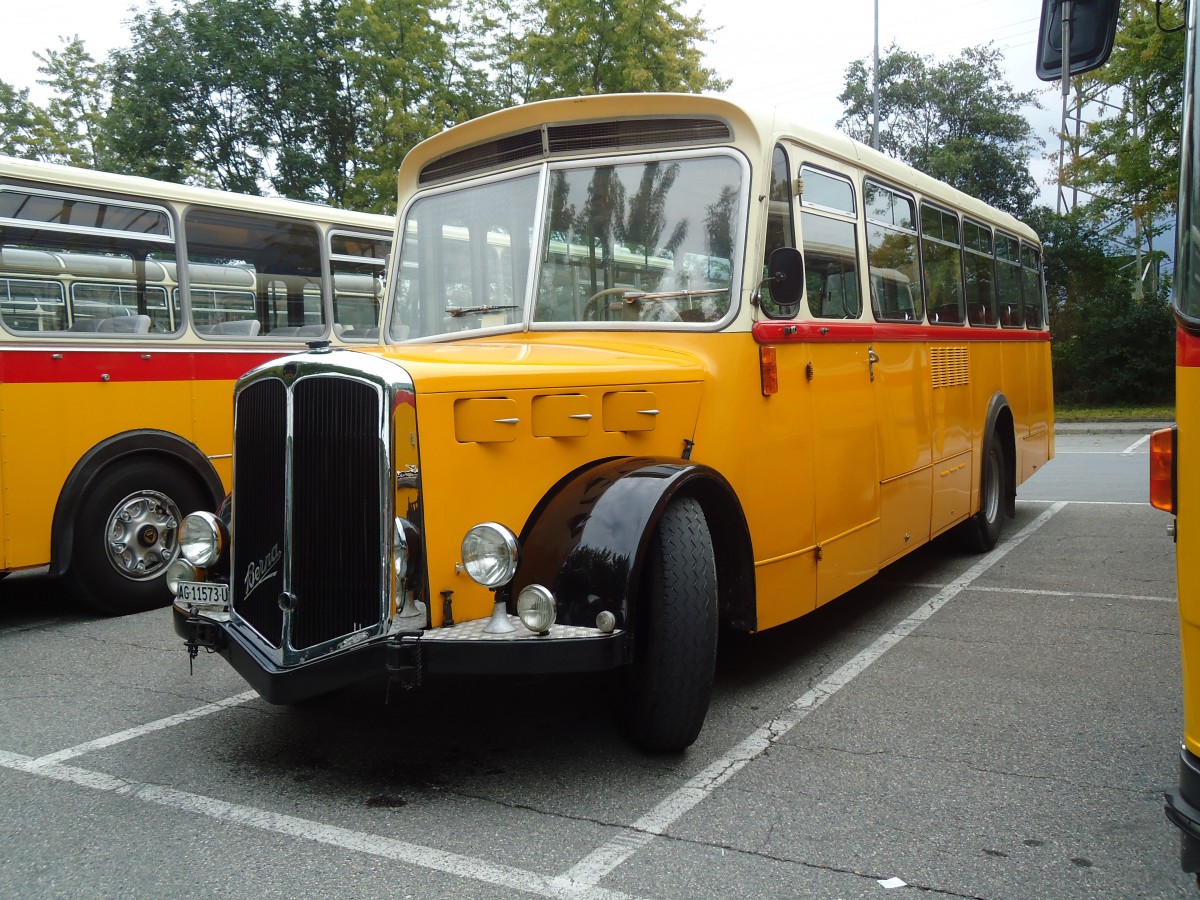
(648, 242)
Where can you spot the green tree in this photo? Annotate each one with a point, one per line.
(192, 94)
(611, 46)
(1127, 158)
(18, 123)
(398, 53)
(69, 129)
(959, 120)
(1112, 343)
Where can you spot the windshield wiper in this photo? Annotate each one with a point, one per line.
(638, 296)
(458, 311)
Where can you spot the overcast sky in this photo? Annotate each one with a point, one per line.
(788, 53)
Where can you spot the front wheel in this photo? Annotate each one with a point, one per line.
(669, 685)
(126, 533)
(981, 532)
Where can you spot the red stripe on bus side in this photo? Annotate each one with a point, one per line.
(1187, 349)
(841, 332)
(66, 365)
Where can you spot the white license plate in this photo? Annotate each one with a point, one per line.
(201, 593)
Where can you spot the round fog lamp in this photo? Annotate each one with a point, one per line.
(489, 554)
(201, 538)
(179, 570)
(535, 608)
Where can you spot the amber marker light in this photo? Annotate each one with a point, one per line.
(1162, 469)
(770, 371)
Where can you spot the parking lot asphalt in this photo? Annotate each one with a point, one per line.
(983, 726)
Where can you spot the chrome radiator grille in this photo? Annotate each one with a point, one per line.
(307, 529)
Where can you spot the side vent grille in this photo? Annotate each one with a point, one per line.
(613, 134)
(950, 366)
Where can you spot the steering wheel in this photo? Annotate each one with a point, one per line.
(599, 295)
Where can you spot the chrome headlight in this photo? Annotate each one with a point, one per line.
(202, 538)
(180, 570)
(489, 554)
(535, 608)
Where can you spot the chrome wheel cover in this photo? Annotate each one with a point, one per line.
(142, 535)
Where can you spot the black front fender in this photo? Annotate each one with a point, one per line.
(587, 539)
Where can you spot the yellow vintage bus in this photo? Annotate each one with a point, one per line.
(1089, 30)
(1174, 472)
(652, 364)
(128, 308)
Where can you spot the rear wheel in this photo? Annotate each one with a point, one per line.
(669, 685)
(126, 533)
(980, 532)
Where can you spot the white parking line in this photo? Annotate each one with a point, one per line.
(308, 830)
(581, 881)
(1039, 592)
(1128, 450)
(605, 859)
(138, 731)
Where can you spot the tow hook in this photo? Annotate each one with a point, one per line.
(200, 633)
(403, 659)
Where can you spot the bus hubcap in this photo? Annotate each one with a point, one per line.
(142, 534)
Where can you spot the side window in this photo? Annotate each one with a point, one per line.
(781, 228)
(941, 263)
(253, 275)
(357, 262)
(827, 222)
(75, 263)
(1008, 281)
(893, 273)
(979, 269)
(1031, 282)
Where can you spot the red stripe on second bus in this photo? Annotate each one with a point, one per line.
(68, 365)
(852, 332)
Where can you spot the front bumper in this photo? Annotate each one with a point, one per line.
(460, 650)
(1183, 811)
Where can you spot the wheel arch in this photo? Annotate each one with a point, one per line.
(587, 540)
(122, 448)
(1000, 420)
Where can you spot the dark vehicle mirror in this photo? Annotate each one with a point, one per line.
(785, 275)
(1092, 24)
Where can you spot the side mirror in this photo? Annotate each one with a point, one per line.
(1091, 27)
(785, 276)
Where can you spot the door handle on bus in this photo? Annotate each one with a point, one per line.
(872, 358)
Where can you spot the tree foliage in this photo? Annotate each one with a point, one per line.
(1128, 156)
(611, 46)
(69, 129)
(959, 120)
(1112, 344)
(321, 99)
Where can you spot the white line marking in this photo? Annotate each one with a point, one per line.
(308, 830)
(1128, 450)
(1090, 502)
(138, 731)
(1088, 595)
(598, 864)
(1091, 452)
(1036, 591)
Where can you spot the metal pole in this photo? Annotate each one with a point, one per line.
(1066, 92)
(875, 85)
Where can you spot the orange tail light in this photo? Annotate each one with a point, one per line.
(769, 370)
(1162, 469)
